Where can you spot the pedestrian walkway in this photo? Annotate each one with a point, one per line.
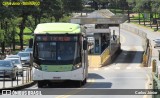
(7, 83)
(151, 35)
(19, 82)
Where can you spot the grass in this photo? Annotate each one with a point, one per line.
(26, 30)
(25, 39)
(148, 27)
(136, 16)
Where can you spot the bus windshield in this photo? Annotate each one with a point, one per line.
(56, 50)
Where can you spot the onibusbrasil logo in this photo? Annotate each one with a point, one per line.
(27, 92)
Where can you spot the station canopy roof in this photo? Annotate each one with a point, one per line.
(100, 17)
(92, 30)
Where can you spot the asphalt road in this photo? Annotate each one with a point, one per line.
(124, 73)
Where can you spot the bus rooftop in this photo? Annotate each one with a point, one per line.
(57, 28)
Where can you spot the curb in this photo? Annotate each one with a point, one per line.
(114, 57)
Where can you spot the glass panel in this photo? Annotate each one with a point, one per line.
(66, 50)
(5, 64)
(23, 54)
(47, 50)
(56, 51)
(15, 61)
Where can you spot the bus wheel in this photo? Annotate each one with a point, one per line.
(84, 81)
(40, 84)
(78, 83)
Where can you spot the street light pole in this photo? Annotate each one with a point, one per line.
(116, 8)
(128, 13)
(159, 55)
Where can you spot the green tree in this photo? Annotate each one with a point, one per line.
(5, 15)
(13, 17)
(72, 5)
(22, 12)
(155, 9)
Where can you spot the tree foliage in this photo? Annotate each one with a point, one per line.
(21, 16)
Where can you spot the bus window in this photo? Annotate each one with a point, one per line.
(47, 50)
(66, 50)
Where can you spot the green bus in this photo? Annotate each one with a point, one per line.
(59, 53)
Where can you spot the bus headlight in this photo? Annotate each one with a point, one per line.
(76, 66)
(35, 65)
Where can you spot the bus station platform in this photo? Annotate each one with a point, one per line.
(103, 43)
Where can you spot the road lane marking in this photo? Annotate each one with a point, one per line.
(146, 85)
(96, 68)
(127, 77)
(138, 67)
(128, 68)
(73, 92)
(148, 81)
(90, 80)
(150, 67)
(117, 67)
(106, 68)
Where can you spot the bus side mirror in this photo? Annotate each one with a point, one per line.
(30, 43)
(31, 59)
(85, 45)
(159, 55)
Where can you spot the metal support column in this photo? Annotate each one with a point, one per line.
(119, 34)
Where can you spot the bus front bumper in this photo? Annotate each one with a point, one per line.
(77, 74)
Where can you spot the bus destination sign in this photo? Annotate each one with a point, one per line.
(56, 38)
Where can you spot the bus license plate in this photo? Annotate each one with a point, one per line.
(57, 78)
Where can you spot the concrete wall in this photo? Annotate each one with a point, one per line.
(137, 32)
(94, 61)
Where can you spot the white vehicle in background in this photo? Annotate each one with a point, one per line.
(7, 69)
(18, 64)
(25, 58)
(13, 56)
(27, 49)
(157, 43)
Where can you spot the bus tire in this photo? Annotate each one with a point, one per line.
(78, 83)
(84, 81)
(40, 84)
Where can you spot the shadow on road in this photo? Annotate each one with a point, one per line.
(129, 57)
(94, 76)
(99, 85)
(71, 84)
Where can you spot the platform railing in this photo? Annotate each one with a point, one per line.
(12, 78)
